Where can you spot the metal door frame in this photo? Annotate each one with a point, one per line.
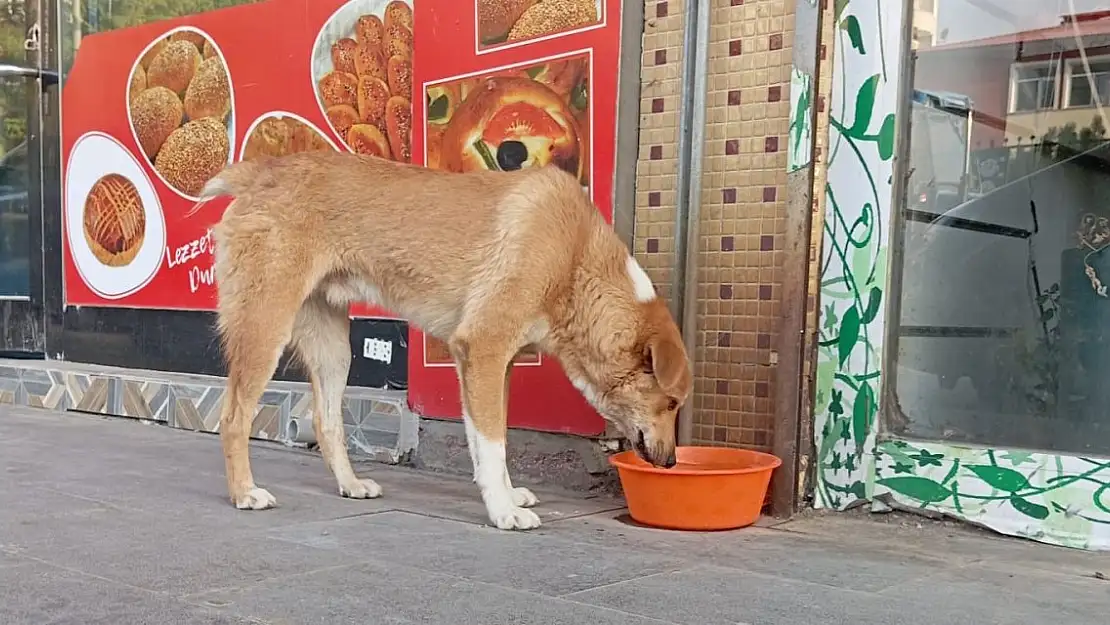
(26, 320)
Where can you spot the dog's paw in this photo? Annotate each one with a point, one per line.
(524, 498)
(255, 499)
(361, 489)
(515, 518)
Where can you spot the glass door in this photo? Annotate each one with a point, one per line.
(27, 81)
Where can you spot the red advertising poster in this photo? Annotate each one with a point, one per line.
(152, 112)
(542, 74)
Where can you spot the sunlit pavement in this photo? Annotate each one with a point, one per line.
(119, 522)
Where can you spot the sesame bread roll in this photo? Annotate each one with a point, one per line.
(398, 12)
(174, 67)
(138, 83)
(270, 137)
(367, 139)
(209, 94)
(370, 32)
(496, 18)
(193, 154)
(155, 113)
(553, 16)
(339, 88)
(398, 122)
(342, 117)
(372, 97)
(399, 74)
(343, 55)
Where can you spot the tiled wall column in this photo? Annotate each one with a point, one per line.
(742, 204)
(742, 220)
(657, 166)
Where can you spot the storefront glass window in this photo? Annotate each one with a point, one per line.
(1002, 324)
(16, 99)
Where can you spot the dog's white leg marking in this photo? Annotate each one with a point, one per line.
(522, 497)
(497, 492)
(641, 283)
(256, 499)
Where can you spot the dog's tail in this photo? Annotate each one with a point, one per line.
(232, 180)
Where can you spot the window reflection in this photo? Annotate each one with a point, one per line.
(15, 94)
(84, 17)
(1003, 327)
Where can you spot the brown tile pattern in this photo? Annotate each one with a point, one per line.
(742, 219)
(743, 201)
(657, 165)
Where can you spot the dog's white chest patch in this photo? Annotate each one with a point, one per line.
(641, 283)
(588, 391)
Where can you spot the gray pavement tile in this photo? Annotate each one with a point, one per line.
(10, 559)
(120, 461)
(721, 596)
(534, 561)
(786, 555)
(1017, 596)
(37, 594)
(441, 495)
(955, 543)
(156, 490)
(170, 553)
(386, 594)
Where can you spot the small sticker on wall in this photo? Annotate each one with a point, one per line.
(377, 349)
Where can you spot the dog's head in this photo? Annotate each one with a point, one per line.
(641, 380)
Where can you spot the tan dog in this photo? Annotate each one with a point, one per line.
(488, 262)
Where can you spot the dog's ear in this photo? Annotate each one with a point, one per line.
(665, 357)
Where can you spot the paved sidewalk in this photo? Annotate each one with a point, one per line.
(116, 522)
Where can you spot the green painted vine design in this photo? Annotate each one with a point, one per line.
(1059, 499)
(853, 267)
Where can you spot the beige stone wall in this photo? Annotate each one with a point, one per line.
(742, 205)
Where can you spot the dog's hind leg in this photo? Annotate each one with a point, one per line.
(482, 362)
(255, 332)
(321, 339)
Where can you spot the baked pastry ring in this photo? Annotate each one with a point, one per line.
(114, 221)
(508, 123)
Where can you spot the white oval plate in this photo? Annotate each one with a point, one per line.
(94, 156)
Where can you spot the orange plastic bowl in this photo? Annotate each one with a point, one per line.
(711, 488)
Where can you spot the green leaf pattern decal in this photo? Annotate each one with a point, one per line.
(1063, 500)
(853, 263)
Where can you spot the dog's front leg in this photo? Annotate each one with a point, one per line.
(522, 497)
(482, 369)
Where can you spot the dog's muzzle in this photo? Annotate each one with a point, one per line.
(656, 454)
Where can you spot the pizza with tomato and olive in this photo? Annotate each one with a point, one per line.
(507, 123)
